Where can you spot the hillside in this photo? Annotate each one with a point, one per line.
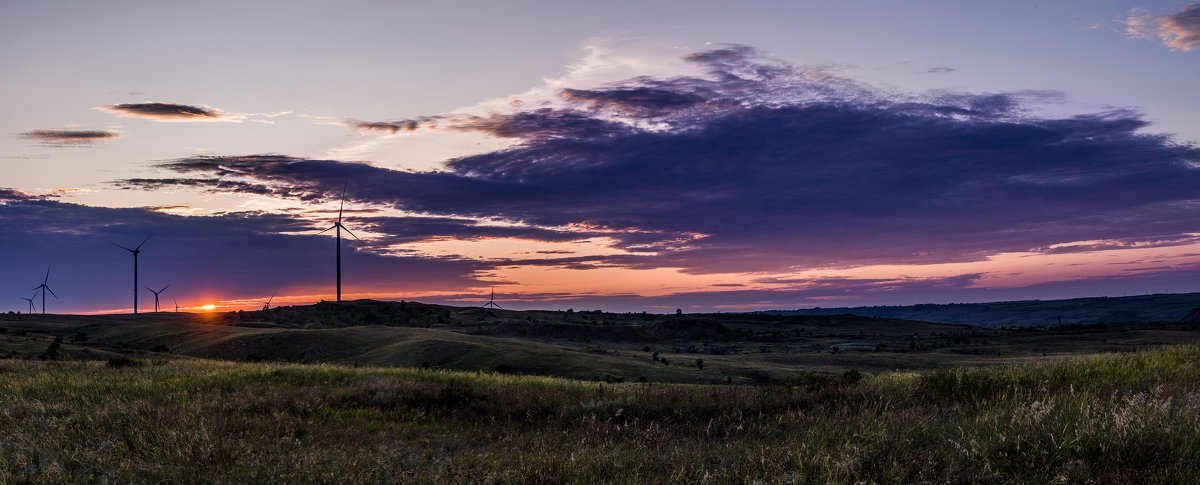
(1111, 418)
(637, 347)
(1084, 311)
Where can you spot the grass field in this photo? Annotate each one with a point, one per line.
(1109, 418)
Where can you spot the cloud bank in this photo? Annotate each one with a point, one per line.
(761, 165)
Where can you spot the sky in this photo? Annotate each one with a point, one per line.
(624, 156)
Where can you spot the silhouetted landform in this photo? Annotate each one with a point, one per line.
(1171, 307)
(734, 348)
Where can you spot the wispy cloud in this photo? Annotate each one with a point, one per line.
(69, 138)
(1179, 31)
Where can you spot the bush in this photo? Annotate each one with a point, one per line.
(51, 352)
(851, 376)
(80, 337)
(123, 361)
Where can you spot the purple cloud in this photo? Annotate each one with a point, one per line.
(761, 165)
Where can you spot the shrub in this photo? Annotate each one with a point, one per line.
(51, 352)
(80, 337)
(123, 361)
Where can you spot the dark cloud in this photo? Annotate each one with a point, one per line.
(55, 137)
(761, 165)
(638, 102)
(393, 127)
(1179, 31)
(165, 111)
(398, 230)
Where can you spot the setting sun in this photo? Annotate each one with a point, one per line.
(208, 307)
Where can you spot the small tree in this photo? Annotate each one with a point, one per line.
(700, 364)
(51, 352)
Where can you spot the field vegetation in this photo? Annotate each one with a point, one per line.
(1110, 418)
(390, 392)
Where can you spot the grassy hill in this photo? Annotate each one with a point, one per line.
(693, 348)
(1109, 418)
(1083, 311)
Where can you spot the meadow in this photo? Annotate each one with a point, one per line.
(1104, 418)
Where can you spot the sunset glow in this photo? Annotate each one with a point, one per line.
(773, 156)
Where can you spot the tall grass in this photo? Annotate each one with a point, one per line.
(1111, 418)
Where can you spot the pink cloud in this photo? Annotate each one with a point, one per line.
(1180, 31)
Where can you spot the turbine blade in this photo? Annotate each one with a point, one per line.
(139, 246)
(47, 279)
(120, 246)
(352, 234)
(51, 292)
(343, 204)
(319, 233)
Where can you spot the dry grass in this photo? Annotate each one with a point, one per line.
(1111, 418)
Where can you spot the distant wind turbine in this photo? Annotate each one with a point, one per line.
(338, 225)
(267, 305)
(176, 303)
(30, 300)
(137, 250)
(156, 296)
(492, 301)
(44, 288)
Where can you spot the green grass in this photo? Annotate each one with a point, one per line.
(1111, 418)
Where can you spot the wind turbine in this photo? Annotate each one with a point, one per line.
(176, 303)
(135, 252)
(156, 296)
(338, 225)
(44, 288)
(267, 305)
(492, 301)
(30, 300)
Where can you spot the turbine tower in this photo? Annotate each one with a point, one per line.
(492, 301)
(156, 297)
(30, 300)
(135, 252)
(44, 288)
(338, 241)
